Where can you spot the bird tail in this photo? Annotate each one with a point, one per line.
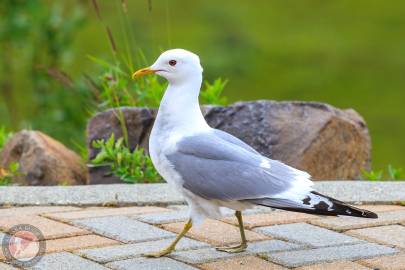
(315, 203)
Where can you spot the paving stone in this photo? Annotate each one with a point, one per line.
(392, 262)
(34, 210)
(334, 266)
(163, 263)
(182, 214)
(308, 235)
(381, 207)
(78, 242)
(139, 194)
(202, 255)
(123, 229)
(179, 207)
(270, 245)
(393, 235)
(105, 211)
(162, 218)
(276, 217)
(4, 266)
(348, 223)
(50, 229)
(127, 251)
(329, 254)
(215, 232)
(367, 192)
(241, 263)
(158, 194)
(66, 261)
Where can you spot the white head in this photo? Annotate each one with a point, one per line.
(177, 66)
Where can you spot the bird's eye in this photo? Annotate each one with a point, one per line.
(172, 63)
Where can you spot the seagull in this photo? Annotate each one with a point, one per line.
(213, 169)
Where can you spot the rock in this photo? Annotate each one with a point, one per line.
(327, 142)
(43, 160)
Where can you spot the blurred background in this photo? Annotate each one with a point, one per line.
(350, 54)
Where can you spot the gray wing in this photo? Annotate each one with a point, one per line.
(232, 139)
(214, 168)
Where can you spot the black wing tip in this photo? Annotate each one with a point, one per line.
(369, 214)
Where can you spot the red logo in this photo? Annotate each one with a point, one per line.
(23, 245)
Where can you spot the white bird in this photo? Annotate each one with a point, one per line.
(213, 169)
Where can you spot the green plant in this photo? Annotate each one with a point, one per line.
(7, 175)
(131, 166)
(372, 175)
(4, 137)
(395, 173)
(212, 94)
(392, 174)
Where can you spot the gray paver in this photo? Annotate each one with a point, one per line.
(66, 261)
(270, 246)
(122, 252)
(201, 255)
(163, 218)
(150, 264)
(347, 223)
(123, 229)
(139, 194)
(308, 234)
(182, 214)
(329, 254)
(152, 194)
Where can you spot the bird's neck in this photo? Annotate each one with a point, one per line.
(180, 110)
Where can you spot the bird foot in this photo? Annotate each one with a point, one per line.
(234, 249)
(158, 254)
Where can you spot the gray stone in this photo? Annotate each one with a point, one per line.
(308, 235)
(117, 194)
(328, 142)
(150, 264)
(123, 229)
(127, 251)
(66, 261)
(163, 218)
(201, 255)
(363, 191)
(347, 223)
(270, 246)
(329, 254)
(182, 214)
(158, 194)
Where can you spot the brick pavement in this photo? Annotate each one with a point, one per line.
(114, 238)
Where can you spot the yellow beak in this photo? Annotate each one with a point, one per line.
(142, 72)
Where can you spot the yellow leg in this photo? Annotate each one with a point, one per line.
(171, 247)
(243, 245)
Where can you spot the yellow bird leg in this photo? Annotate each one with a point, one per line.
(243, 245)
(172, 246)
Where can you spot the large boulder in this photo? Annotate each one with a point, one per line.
(327, 142)
(43, 160)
